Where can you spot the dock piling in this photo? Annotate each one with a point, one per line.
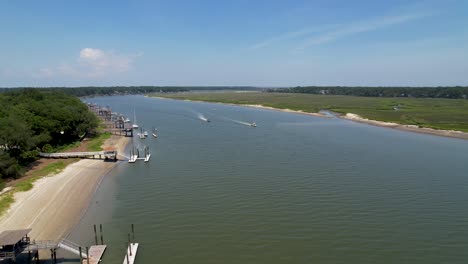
(128, 261)
(95, 235)
(129, 245)
(133, 234)
(87, 254)
(81, 256)
(102, 238)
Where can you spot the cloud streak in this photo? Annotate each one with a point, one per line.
(290, 35)
(330, 33)
(357, 28)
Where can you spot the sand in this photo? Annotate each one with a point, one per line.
(411, 128)
(56, 204)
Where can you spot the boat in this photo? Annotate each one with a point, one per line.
(141, 135)
(145, 134)
(204, 119)
(127, 120)
(155, 133)
(135, 126)
(133, 156)
(147, 154)
(253, 125)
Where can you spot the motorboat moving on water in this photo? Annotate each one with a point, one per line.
(253, 125)
(155, 132)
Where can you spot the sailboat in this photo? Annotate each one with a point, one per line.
(135, 126)
(147, 154)
(133, 155)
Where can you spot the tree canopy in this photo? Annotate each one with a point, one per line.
(34, 120)
(455, 92)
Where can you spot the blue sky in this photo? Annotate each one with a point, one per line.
(260, 43)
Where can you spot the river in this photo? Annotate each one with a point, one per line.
(294, 189)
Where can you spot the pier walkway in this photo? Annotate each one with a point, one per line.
(54, 245)
(107, 155)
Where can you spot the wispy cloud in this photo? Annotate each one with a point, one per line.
(92, 63)
(357, 28)
(291, 35)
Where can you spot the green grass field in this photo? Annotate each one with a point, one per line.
(450, 114)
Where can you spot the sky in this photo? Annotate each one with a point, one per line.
(265, 43)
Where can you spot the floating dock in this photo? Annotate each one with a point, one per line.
(131, 253)
(95, 254)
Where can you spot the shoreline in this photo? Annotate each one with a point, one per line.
(354, 118)
(57, 203)
(259, 106)
(408, 128)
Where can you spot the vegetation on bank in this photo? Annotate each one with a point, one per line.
(453, 92)
(124, 90)
(94, 144)
(32, 121)
(448, 114)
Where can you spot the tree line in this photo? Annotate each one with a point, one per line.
(33, 120)
(455, 92)
(123, 90)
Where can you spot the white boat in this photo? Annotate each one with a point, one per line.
(145, 134)
(147, 154)
(204, 119)
(253, 125)
(155, 133)
(133, 159)
(133, 156)
(127, 120)
(135, 126)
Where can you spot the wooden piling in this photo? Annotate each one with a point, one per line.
(87, 254)
(102, 238)
(95, 235)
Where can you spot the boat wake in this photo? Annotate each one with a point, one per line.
(242, 122)
(201, 117)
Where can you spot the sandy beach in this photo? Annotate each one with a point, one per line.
(56, 204)
(411, 128)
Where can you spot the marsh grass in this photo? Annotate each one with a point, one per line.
(447, 114)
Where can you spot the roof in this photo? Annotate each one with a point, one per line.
(11, 237)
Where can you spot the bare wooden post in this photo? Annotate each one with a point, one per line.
(87, 255)
(102, 238)
(81, 256)
(95, 235)
(133, 234)
(128, 262)
(129, 245)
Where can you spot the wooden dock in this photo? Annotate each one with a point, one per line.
(95, 254)
(108, 155)
(131, 253)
